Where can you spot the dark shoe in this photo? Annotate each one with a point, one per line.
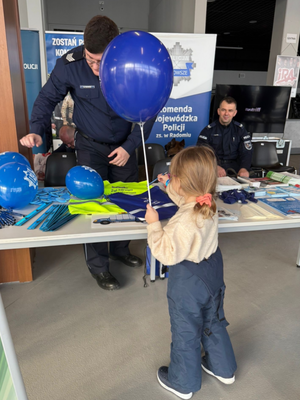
(162, 376)
(227, 381)
(106, 281)
(129, 259)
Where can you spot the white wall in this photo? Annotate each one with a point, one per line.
(172, 16)
(239, 78)
(31, 14)
(23, 13)
(74, 14)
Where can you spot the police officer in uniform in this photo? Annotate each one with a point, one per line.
(229, 139)
(103, 140)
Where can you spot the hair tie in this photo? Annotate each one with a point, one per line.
(206, 199)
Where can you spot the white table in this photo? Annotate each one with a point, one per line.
(79, 231)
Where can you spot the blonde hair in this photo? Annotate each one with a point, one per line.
(196, 168)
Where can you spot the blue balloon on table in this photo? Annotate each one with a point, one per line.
(18, 185)
(84, 182)
(11, 156)
(136, 75)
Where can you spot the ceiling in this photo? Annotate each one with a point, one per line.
(230, 19)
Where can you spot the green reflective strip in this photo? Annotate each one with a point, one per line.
(94, 207)
(131, 188)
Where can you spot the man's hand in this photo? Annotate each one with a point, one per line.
(243, 172)
(30, 140)
(151, 215)
(221, 171)
(121, 157)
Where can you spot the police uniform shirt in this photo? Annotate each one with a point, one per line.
(231, 142)
(92, 115)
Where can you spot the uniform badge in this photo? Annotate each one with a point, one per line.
(247, 137)
(70, 57)
(248, 145)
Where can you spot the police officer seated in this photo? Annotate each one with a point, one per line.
(229, 139)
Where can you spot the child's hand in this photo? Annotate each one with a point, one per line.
(163, 178)
(151, 215)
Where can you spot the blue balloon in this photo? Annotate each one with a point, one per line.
(11, 156)
(84, 183)
(18, 185)
(136, 75)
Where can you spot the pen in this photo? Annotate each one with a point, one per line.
(156, 177)
(17, 214)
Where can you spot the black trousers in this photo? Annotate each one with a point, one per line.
(94, 155)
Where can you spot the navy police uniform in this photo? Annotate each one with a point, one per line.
(99, 131)
(195, 298)
(231, 144)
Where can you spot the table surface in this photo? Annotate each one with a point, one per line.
(80, 231)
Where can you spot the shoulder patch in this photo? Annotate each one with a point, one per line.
(69, 57)
(211, 125)
(238, 124)
(202, 137)
(248, 145)
(72, 56)
(247, 137)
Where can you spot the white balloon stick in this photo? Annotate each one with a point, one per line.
(141, 124)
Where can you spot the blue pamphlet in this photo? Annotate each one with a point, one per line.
(258, 191)
(276, 192)
(288, 206)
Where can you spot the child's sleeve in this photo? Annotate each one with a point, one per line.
(170, 245)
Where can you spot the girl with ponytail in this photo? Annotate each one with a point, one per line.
(188, 244)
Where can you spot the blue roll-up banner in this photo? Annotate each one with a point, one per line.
(187, 111)
(58, 43)
(32, 73)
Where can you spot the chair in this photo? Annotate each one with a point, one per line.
(154, 152)
(57, 167)
(161, 166)
(265, 156)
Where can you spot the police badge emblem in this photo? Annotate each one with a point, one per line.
(248, 145)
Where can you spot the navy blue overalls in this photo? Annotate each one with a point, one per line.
(195, 297)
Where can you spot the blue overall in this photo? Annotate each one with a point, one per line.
(195, 297)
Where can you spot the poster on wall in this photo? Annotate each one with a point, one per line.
(187, 111)
(287, 72)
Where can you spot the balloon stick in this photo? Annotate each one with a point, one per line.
(141, 124)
